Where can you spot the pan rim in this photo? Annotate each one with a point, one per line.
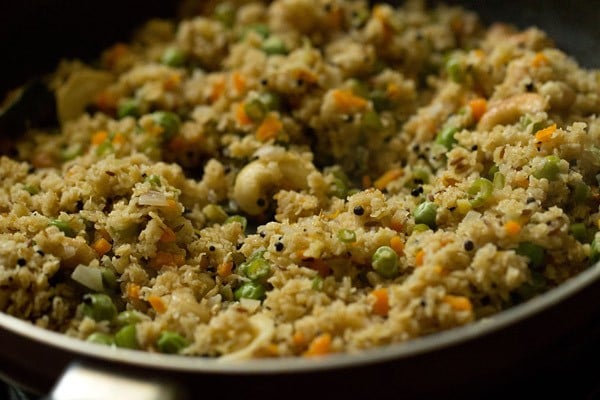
(410, 348)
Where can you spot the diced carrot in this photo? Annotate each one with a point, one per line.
(217, 89)
(396, 225)
(99, 137)
(393, 90)
(178, 143)
(397, 244)
(478, 107)
(162, 258)
(389, 176)
(239, 82)
(172, 204)
(419, 258)
(348, 102)
(106, 102)
(539, 60)
(320, 345)
(133, 290)
(101, 246)
(306, 76)
(241, 116)
(172, 82)
(104, 233)
(381, 306)
(115, 53)
(335, 18)
(298, 338)
(271, 349)
(157, 304)
(168, 236)
(459, 303)
(366, 181)
(320, 266)
(178, 259)
(119, 138)
(479, 53)
(512, 228)
(544, 135)
(269, 128)
(224, 269)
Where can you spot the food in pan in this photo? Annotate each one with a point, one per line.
(300, 178)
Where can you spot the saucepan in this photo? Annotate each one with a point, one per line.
(479, 359)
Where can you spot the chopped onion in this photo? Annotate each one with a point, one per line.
(88, 277)
(153, 198)
(249, 304)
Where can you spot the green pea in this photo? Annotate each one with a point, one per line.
(380, 99)
(239, 219)
(385, 262)
(225, 14)
(549, 170)
(128, 108)
(101, 338)
(169, 121)
(346, 236)
(455, 70)
(420, 228)
(262, 29)
(250, 290)
(581, 192)
(446, 137)
(480, 192)
(274, 45)
(257, 269)
(595, 250)
(126, 337)
(533, 252)
(104, 148)
(70, 152)
(426, 213)
(371, 122)
(63, 226)
(420, 176)
(255, 110)
(579, 232)
(31, 189)
(171, 342)
(173, 57)
(272, 101)
(214, 213)
(129, 317)
(359, 88)
(99, 307)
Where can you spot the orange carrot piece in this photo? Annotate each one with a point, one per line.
(478, 107)
(389, 176)
(269, 128)
(161, 258)
(544, 135)
(397, 244)
(217, 90)
(99, 137)
(157, 304)
(458, 303)
(224, 269)
(101, 246)
(298, 338)
(348, 102)
(240, 115)
(168, 236)
(320, 266)
(239, 82)
(419, 258)
(539, 60)
(320, 345)
(119, 138)
(512, 228)
(366, 181)
(133, 290)
(381, 306)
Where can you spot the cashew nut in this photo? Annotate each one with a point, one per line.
(259, 180)
(508, 111)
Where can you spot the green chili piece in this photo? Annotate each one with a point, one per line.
(581, 192)
(480, 192)
(262, 29)
(257, 269)
(426, 213)
(109, 279)
(446, 137)
(499, 180)
(533, 252)
(99, 307)
(173, 57)
(31, 189)
(154, 180)
(250, 290)
(169, 121)
(579, 232)
(128, 108)
(126, 337)
(346, 235)
(63, 226)
(274, 45)
(455, 70)
(101, 338)
(171, 342)
(385, 262)
(549, 170)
